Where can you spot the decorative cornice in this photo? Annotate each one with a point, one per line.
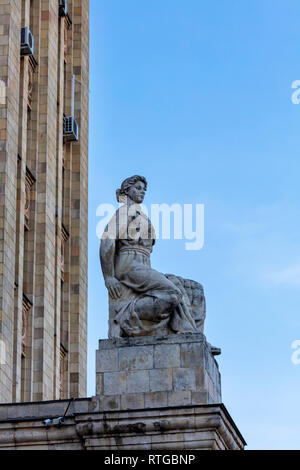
(207, 426)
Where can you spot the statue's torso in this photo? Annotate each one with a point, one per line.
(135, 232)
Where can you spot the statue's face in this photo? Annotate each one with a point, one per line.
(137, 192)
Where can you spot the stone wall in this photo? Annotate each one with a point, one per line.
(43, 212)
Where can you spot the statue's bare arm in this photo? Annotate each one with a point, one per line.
(107, 257)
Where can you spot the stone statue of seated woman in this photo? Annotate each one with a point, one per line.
(143, 301)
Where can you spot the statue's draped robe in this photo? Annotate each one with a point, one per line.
(135, 238)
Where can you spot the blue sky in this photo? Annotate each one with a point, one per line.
(196, 96)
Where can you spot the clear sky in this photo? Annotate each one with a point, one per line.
(196, 96)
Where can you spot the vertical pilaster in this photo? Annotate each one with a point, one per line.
(10, 24)
(20, 208)
(59, 211)
(31, 235)
(44, 321)
(79, 211)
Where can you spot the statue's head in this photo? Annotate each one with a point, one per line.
(133, 188)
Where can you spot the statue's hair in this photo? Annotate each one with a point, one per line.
(127, 184)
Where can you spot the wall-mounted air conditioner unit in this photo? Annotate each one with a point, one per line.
(27, 42)
(70, 129)
(63, 8)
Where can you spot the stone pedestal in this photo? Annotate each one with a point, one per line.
(153, 393)
(152, 371)
(161, 392)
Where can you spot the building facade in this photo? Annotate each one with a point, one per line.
(44, 100)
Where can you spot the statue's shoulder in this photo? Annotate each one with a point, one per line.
(111, 230)
(120, 213)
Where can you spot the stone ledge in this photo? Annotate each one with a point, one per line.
(134, 401)
(43, 409)
(151, 340)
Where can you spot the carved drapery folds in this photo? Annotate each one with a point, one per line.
(26, 306)
(29, 181)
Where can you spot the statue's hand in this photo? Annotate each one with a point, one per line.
(114, 287)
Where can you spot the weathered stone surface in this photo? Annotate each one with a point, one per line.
(156, 399)
(160, 380)
(114, 383)
(201, 378)
(201, 397)
(107, 360)
(110, 402)
(181, 398)
(99, 384)
(138, 381)
(166, 355)
(136, 358)
(184, 379)
(192, 355)
(131, 401)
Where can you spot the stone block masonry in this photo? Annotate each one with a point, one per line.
(43, 201)
(153, 371)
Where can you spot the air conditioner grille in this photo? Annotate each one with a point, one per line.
(27, 41)
(70, 129)
(63, 9)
